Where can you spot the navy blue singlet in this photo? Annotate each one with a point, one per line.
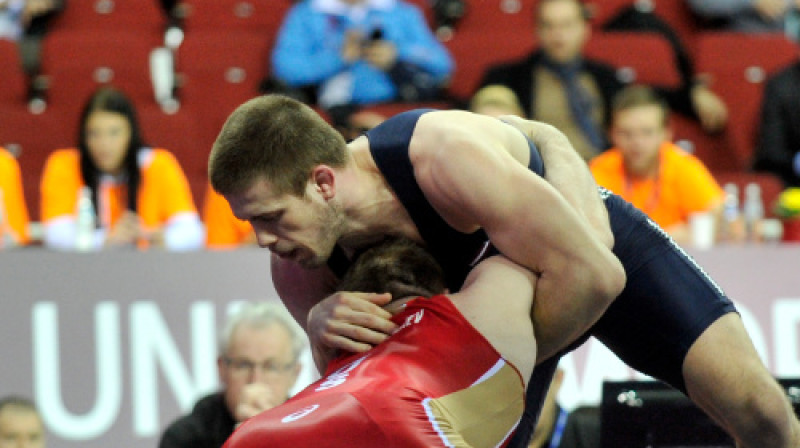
(668, 300)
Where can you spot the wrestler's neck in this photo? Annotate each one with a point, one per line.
(372, 210)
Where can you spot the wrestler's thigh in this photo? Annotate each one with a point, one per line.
(667, 303)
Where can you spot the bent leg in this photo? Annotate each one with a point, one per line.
(726, 378)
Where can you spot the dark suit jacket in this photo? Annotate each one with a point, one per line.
(779, 138)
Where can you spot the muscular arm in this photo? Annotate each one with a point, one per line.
(566, 171)
(506, 327)
(464, 163)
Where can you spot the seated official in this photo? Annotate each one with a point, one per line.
(648, 170)
(258, 365)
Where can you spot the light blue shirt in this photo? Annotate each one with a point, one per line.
(308, 50)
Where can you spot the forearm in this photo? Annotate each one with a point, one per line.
(577, 282)
(559, 323)
(567, 172)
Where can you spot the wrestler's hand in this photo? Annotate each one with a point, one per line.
(350, 321)
(254, 399)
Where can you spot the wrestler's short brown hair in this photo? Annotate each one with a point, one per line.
(398, 266)
(276, 138)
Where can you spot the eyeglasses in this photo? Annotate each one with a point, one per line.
(244, 367)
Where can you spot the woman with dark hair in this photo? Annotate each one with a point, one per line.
(140, 194)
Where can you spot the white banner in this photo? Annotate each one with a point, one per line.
(113, 346)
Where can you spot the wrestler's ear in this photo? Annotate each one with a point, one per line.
(324, 179)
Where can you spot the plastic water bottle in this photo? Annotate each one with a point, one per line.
(731, 229)
(85, 222)
(753, 210)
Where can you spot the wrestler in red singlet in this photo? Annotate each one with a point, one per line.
(420, 388)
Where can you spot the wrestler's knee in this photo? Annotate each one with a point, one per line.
(725, 376)
(767, 418)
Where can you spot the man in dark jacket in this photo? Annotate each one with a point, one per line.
(258, 366)
(557, 85)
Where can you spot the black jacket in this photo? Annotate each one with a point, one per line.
(779, 135)
(208, 426)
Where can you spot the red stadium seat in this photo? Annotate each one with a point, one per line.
(34, 137)
(737, 66)
(600, 11)
(263, 16)
(77, 62)
(111, 15)
(218, 71)
(641, 57)
(675, 12)
(474, 53)
(712, 149)
(178, 133)
(13, 84)
(490, 16)
(681, 19)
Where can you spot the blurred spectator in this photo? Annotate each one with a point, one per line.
(26, 21)
(649, 171)
(557, 85)
(140, 194)
(11, 25)
(751, 16)
(17, 16)
(778, 148)
(360, 52)
(223, 230)
(495, 100)
(20, 424)
(258, 365)
(13, 211)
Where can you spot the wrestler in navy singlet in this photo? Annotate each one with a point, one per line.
(668, 300)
